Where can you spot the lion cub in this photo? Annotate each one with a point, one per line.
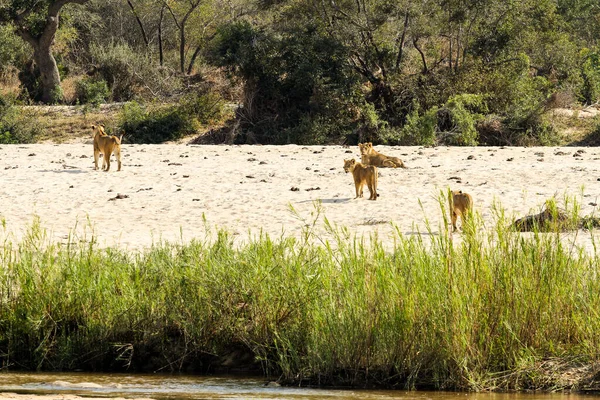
(362, 175)
(369, 156)
(106, 145)
(460, 204)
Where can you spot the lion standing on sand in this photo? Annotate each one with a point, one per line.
(362, 175)
(369, 156)
(460, 204)
(106, 145)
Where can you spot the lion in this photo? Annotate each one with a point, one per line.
(362, 175)
(106, 145)
(369, 156)
(460, 204)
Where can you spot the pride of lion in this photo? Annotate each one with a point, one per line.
(363, 172)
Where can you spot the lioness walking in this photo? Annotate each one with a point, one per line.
(106, 145)
(362, 175)
(460, 204)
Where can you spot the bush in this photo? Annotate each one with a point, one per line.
(117, 65)
(590, 71)
(298, 86)
(458, 119)
(208, 108)
(131, 73)
(91, 91)
(154, 126)
(419, 130)
(14, 52)
(17, 126)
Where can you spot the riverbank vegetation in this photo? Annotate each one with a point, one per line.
(311, 72)
(489, 309)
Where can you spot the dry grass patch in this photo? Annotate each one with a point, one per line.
(72, 123)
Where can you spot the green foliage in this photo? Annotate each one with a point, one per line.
(57, 95)
(458, 119)
(206, 107)
(156, 125)
(13, 52)
(419, 129)
(298, 87)
(479, 313)
(590, 71)
(121, 67)
(18, 125)
(333, 72)
(91, 91)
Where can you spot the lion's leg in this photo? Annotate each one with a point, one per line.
(388, 163)
(107, 160)
(375, 177)
(358, 187)
(454, 217)
(96, 154)
(373, 191)
(464, 217)
(375, 187)
(118, 155)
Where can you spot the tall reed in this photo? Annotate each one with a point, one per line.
(479, 310)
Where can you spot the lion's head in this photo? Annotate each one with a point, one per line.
(349, 165)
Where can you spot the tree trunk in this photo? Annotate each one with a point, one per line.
(49, 75)
(193, 59)
(425, 70)
(42, 47)
(160, 38)
(182, 48)
(181, 26)
(402, 41)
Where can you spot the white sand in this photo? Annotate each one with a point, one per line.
(246, 189)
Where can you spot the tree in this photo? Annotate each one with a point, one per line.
(181, 18)
(36, 21)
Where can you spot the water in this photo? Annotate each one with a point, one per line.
(192, 387)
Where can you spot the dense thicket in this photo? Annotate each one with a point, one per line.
(308, 71)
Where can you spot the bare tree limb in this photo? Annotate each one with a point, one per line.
(402, 41)
(139, 21)
(416, 44)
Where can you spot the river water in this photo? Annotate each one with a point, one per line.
(186, 387)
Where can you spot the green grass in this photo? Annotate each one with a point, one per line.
(486, 309)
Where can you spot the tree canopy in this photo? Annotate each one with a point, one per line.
(464, 71)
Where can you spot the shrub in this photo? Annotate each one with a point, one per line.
(17, 125)
(14, 52)
(419, 129)
(298, 87)
(590, 71)
(129, 73)
(458, 119)
(91, 91)
(525, 117)
(208, 108)
(154, 126)
(116, 65)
